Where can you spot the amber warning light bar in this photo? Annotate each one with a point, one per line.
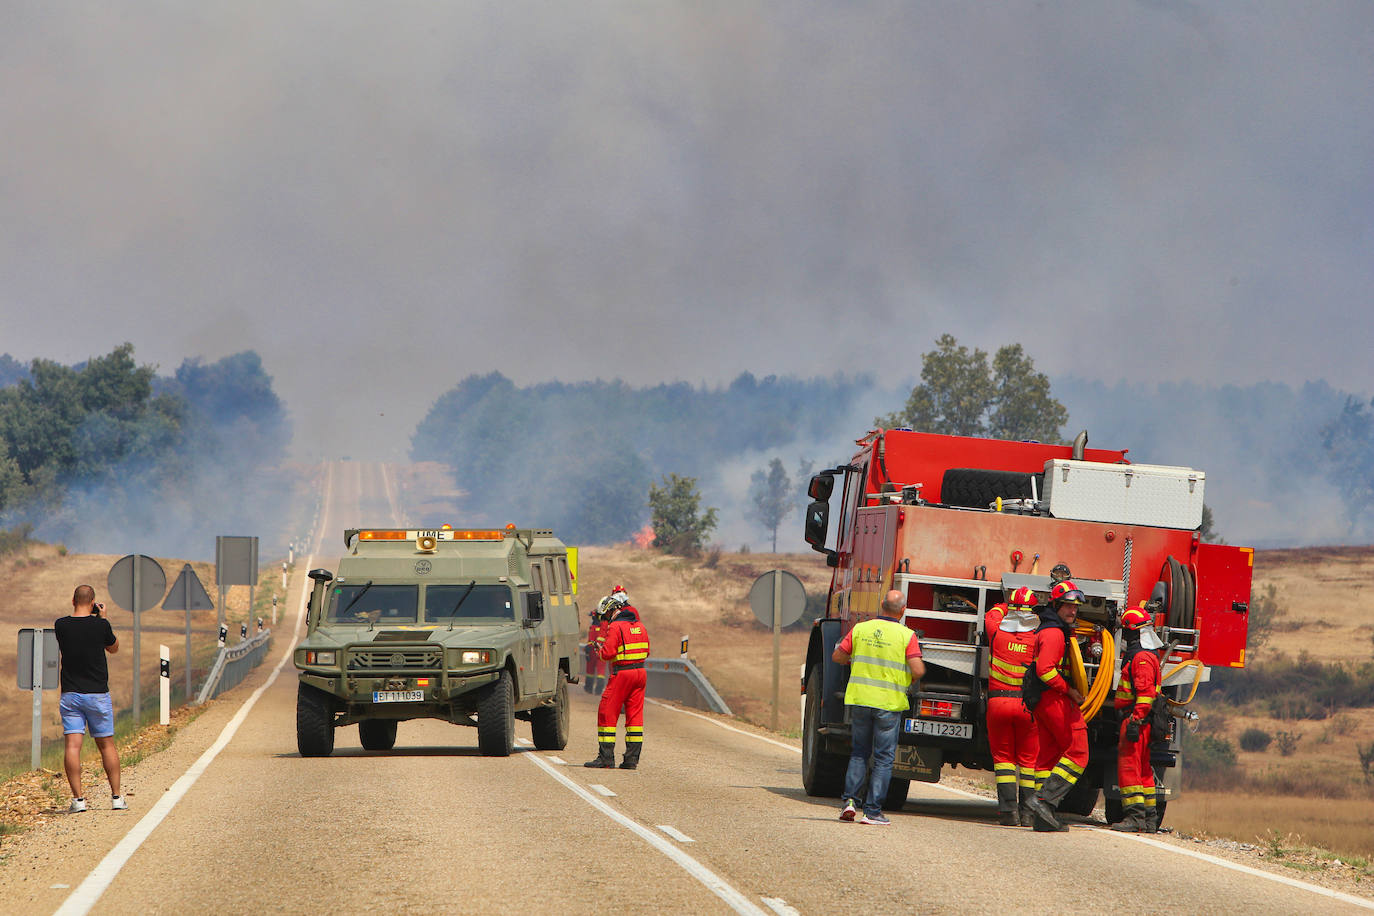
(438, 534)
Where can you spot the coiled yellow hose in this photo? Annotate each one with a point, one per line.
(1096, 695)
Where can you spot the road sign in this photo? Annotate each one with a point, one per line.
(136, 572)
(761, 595)
(187, 594)
(236, 560)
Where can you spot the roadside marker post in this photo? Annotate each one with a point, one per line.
(165, 685)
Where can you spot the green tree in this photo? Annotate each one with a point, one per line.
(962, 394)
(771, 497)
(1349, 444)
(679, 525)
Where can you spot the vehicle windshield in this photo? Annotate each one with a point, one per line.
(379, 604)
(484, 602)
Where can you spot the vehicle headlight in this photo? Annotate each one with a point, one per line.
(471, 656)
(321, 657)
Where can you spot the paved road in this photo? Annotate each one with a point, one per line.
(713, 822)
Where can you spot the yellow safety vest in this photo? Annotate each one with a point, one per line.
(878, 673)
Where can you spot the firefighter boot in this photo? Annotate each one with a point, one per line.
(1045, 802)
(1006, 805)
(1134, 820)
(605, 756)
(1027, 816)
(631, 760)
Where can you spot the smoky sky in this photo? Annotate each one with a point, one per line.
(382, 199)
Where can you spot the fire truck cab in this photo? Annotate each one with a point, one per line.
(957, 524)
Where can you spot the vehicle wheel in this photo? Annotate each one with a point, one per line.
(314, 722)
(549, 724)
(822, 772)
(978, 488)
(1112, 808)
(1082, 798)
(897, 791)
(496, 718)
(1161, 806)
(377, 734)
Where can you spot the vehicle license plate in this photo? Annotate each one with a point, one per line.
(398, 696)
(939, 729)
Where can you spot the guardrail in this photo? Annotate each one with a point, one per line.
(233, 663)
(675, 679)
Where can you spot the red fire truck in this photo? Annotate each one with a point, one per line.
(957, 524)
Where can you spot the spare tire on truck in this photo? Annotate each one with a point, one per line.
(978, 488)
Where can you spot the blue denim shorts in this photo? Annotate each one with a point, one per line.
(82, 710)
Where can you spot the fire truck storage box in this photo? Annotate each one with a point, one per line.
(1124, 494)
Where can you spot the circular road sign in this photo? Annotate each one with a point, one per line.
(793, 597)
(152, 582)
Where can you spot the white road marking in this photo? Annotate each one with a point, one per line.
(675, 833)
(1245, 869)
(523, 742)
(58, 887)
(602, 791)
(779, 906)
(80, 901)
(713, 882)
(1224, 863)
(558, 760)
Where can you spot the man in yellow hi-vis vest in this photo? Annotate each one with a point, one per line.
(884, 658)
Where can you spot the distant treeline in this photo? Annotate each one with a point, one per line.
(108, 456)
(580, 457)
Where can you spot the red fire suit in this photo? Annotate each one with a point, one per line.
(1012, 732)
(993, 619)
(625, 645)
(594, 663)
(1062, 731)
(1135, 696)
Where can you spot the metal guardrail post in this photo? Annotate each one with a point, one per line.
(233, 664)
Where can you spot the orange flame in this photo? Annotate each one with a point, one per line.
(644, 537)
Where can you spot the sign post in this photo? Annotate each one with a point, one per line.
(38, 671)
(136, 583)
(777, 599)
(187, 594)
(236, 563)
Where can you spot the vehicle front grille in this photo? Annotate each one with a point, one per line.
(395, 659)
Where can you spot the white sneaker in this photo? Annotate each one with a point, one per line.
(118, 803)
(78, 805)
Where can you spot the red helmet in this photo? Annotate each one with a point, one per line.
(618, 588)
(1066, 591)
(1135, 618)
(1023, 597)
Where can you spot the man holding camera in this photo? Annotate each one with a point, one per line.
(84, 638)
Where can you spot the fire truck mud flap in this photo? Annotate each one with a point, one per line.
(920, 763)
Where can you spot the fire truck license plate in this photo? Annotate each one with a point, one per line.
(398, 696)
(939, 729)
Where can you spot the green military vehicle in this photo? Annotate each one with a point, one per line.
(474, 627)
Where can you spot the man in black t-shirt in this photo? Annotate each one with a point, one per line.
(84, 638)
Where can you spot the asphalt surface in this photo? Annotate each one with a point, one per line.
(714, 821)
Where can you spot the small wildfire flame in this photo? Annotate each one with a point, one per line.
(644, 537)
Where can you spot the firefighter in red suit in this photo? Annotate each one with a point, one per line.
(1135, 697)
(625, 644)
(1055, 704)
(1011, 730)
(595, 667)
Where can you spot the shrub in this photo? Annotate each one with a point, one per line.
(1209, 760)
(1288, 742)
(1255, 739)
(1344, 724)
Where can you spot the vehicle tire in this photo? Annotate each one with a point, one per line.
(978, 488)
(1161, 806)
(822, 772)
(1082, 798)
(496, 718)
(1113, 811)
(314, 722)
(549, 724)
(377, 734)
(897, 791)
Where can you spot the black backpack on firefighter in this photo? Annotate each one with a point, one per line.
(1160, 718)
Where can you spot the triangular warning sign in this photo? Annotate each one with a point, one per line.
(187, 593)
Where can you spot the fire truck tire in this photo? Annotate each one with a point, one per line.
(377, 734)
(1111, 808)
(314, 722)
(822, 772)
(977, 488)
(897, 791)
(1082, 798)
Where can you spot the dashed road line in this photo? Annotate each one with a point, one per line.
(675, 833)
(558, 760)
(602, 791)
(713, 882)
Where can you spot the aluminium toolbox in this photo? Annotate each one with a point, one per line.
(1125, 494)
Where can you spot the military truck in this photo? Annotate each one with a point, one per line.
(472, 626)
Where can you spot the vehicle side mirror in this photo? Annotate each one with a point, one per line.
(534, 609)
(817, 524)
(820, 486)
